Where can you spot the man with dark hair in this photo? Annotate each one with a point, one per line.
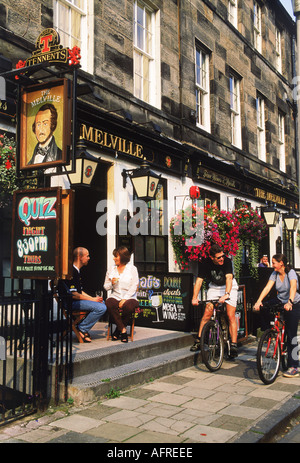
(218, 272)
(94, 306)
(43, 127)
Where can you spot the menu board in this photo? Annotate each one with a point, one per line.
(36, 233)
(165, 301)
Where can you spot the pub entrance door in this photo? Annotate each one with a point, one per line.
(85, 233)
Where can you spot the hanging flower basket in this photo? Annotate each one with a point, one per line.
(231, 230)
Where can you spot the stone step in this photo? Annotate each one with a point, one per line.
(118, 354)
(91, 387)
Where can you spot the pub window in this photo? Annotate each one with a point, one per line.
(288, 246)
(210, 198)
(146, 53)
(73, 19)
(151, 249)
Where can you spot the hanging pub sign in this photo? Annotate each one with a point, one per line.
(45, 124)
(49, 50)
(36, 233)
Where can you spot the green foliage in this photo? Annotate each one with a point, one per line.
(9, 181)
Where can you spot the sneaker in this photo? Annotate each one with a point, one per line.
(233, 350)
(196, 346)
(291, 373)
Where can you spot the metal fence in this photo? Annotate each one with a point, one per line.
(35, 353)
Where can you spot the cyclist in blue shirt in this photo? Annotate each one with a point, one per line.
(286, 284)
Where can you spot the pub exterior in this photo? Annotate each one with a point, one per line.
(205, 114)
(202, 93)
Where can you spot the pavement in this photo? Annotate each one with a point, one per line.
(182, 409)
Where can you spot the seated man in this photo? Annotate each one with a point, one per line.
(82, 301)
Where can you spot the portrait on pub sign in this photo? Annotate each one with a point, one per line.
(45, 131)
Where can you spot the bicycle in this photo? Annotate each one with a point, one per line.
(215, 337)
(272, 348)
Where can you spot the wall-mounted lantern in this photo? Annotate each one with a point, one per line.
(144, 181)
(290, 221)
(85, 167)
(271, 215)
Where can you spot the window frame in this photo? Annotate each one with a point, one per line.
(233, 12)
(281, 141)
(235, 110)
(146, 59)
(202, 90)
(278, 49)
(154, 235)
(261, 128)
(86, 44)
(257, 22)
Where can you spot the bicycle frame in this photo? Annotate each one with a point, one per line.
(216, 317)
(271, 349)
(280, 332)
(214, 337)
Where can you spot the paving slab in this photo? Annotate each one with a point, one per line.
(188, 407)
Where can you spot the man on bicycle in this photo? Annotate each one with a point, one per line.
(217, 270)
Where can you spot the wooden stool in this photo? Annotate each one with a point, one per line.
(111, 322)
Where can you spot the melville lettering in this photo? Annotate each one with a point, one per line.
(111, 141)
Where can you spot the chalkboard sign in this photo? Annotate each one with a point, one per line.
(35, 233)
(165, 301)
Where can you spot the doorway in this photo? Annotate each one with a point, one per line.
(85, 234)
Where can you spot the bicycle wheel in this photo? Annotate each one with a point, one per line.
(212, 346)
(268, 357)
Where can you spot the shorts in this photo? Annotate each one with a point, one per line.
(214, 292)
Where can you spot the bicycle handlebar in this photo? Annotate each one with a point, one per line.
(275, 307)
(214, 302)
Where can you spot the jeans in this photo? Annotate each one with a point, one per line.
(95, 311)
(291, 322)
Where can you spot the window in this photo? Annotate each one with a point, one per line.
(257, 27)
(278, 50)
(202, 89)
(151, 249)
(288, 246)
(232, 12)
(235, 105)
(281, 139)
(73, 20)
(146, 54)
(261, 129)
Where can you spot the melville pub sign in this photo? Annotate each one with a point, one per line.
(36, 233)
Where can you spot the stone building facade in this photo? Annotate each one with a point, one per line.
(208, 86)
